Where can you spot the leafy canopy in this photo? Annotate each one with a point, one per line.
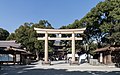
(26, 35)
(3, 34)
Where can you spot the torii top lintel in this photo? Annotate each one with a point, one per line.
(59, 31)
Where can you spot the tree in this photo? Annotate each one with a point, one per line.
(3, 34)
(11, 36)
(27, 36)
(111, 20)
(102, 23)
(43, 24)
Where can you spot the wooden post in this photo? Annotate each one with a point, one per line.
(109, 61)
(14, 58)
(20, 59)
(101, 57)
(46, 47)
(46, 50)
(104, 58)
(73, 47)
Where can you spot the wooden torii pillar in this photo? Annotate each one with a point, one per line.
(59, 31)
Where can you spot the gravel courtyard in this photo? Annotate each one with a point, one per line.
(59, 68)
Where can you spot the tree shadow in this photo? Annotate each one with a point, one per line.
(30, 70)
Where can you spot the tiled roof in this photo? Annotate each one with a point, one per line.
(101, 49)
(107, 48)
(9, 43)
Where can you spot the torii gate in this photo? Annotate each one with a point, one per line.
(59, 31)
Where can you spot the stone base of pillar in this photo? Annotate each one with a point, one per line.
(46, 63)
(74, 63)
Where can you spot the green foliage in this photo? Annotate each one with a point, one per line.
(102, 25)
(92, 47)
(102, 22)
(26, 35)
(11, 36)
(3, 34)
(111, 23)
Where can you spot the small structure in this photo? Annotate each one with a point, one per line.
(108, 55)
(10, 53)
(8, 44)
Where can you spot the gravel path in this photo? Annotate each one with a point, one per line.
(59, 68)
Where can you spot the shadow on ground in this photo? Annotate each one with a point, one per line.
(25, 70)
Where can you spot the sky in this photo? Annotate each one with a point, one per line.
(14, 13)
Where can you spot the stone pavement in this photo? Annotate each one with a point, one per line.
(59, 68)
